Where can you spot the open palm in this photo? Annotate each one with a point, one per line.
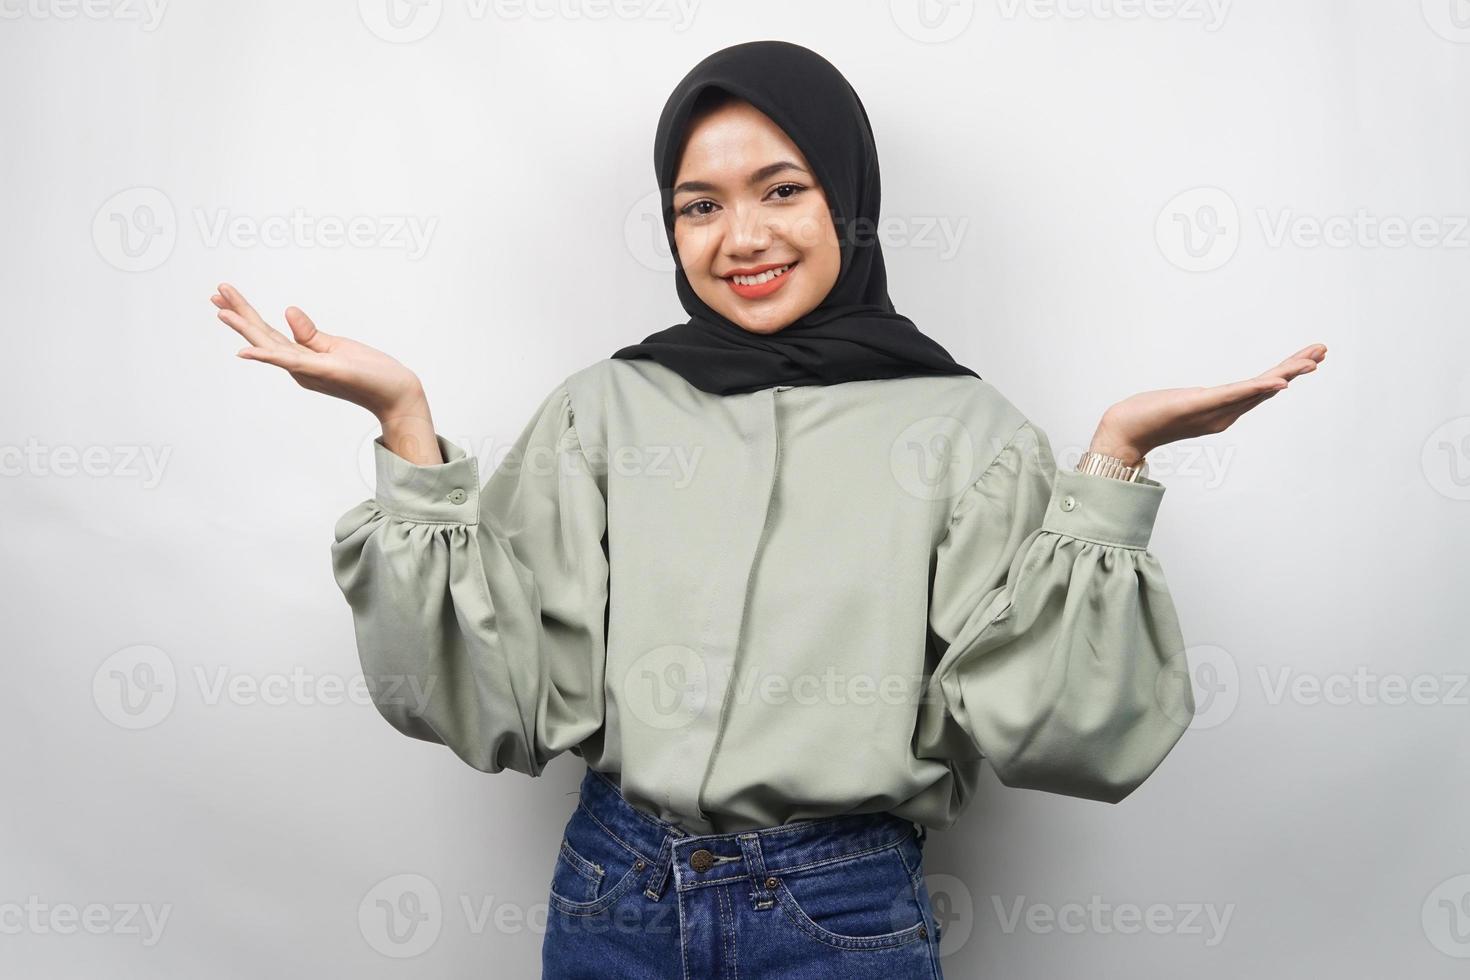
(332, 365)
(1144, 421)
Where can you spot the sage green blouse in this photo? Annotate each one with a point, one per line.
(787, 604)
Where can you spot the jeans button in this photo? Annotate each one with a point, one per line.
(701, 860)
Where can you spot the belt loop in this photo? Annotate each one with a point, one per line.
(761, 896)
(661, 866)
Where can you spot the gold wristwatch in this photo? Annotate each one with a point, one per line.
(1111, 466)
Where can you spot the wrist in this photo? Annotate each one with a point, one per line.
(1108, 442)
(411, 406)
(1128, 455)
(408, 431)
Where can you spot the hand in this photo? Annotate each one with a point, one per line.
(1143, 422)
(322, 362)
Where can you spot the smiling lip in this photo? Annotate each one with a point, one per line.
(765, 288)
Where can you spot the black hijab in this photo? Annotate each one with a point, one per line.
(854, 333)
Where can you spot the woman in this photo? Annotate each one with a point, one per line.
(781, 575)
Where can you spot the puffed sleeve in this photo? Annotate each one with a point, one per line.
(1058, 636)
(479, 612)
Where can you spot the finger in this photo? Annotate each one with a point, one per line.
(305, 332)
(1311, 350)
(252, 333)
(237, 323)
(1302, 361)
(288, 358)
(1228, 395)
(1290, 368)
(236, 319)
(256, 330)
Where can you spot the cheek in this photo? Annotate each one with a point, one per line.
(694, 244)
(811, 231)
(681, 245)
(825, 261)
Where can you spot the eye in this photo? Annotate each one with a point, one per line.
(688, 209)
(692, 209)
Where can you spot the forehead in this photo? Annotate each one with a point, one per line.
(733, 140)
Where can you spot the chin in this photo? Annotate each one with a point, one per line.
(763, 326)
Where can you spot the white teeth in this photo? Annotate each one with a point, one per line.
(766, 276)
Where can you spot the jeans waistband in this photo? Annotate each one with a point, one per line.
(705, 858)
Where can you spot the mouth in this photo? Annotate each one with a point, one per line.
(761, 281)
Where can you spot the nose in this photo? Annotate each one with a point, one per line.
(749, 232)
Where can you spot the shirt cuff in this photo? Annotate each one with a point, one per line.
(1103, 509)
(442, 493)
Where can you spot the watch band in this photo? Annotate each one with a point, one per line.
(1111, 466)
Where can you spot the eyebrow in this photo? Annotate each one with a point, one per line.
(764, 173)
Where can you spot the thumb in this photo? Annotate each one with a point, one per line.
(304, 331)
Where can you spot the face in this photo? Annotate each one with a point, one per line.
(746, 207)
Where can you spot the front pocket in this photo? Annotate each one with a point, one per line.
(574, 877)
(862, 902)
(593, 867)
(603, 901)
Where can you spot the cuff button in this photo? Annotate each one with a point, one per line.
(457, 496)
(1069, 502)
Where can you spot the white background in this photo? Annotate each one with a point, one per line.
(1130, 193)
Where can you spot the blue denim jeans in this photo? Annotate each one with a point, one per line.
(637, 898)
